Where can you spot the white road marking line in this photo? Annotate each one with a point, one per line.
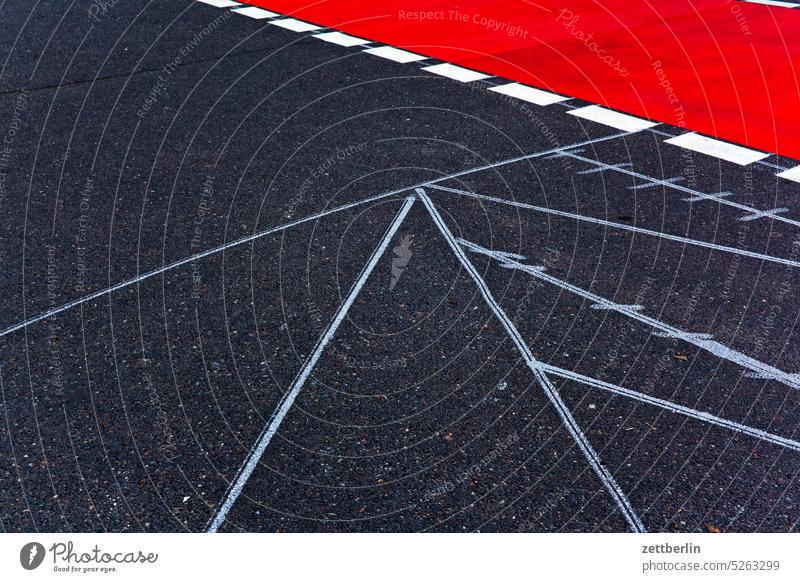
(791, 174)
(773, 213)
(394, 54)
(220, 3)
(717, 148)
(529, 94)
(673, 407)
(605, 169)
(702, 341)
(554, 151)
(620, 226)
(289, 225)
(549, 389)
(612, 118)
(561, 154)
(773, 3)
(254, 12)
(341, 39)
(696, 194)
(456, 73)
(718, 197)
(663, 182)
(295, 25)
(288, 399)
(191, 259)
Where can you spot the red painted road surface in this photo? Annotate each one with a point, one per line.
(720, 67)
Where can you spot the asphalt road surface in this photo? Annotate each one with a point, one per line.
(259, 281)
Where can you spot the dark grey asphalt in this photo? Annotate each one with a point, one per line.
(134, 410)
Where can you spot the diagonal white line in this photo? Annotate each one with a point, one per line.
(701, 196)
(702, 341)
(673, 407)
(764, 214)
(288, 399)
(602, 169)
(260, 234)
(536, 367)
(654, 184)
(558, 150)
(629, 228)
(696, 194)
(187, 260)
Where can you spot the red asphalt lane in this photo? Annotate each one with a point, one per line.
(719, 67)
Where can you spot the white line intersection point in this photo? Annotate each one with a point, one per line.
(289, 225)
(764, 214)
(621, 226)
(696, 194)
(702, 341)
(535, 366)
(676, 408)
